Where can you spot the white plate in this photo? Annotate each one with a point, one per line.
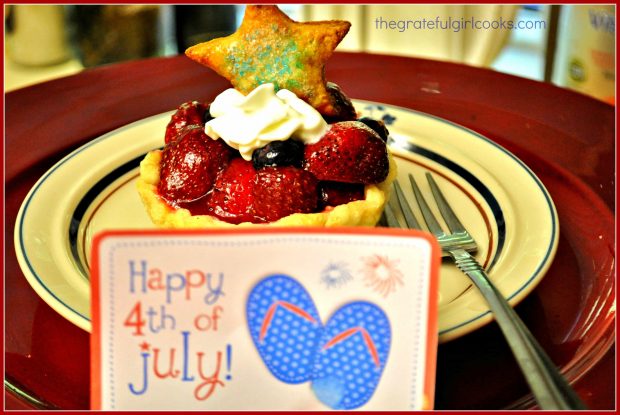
(497, 197)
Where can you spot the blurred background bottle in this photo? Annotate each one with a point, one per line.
(199, 23)
(36, 35)
(113, 33)
(585, 59)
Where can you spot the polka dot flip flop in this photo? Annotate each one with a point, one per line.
(285, 326)
(354, 350)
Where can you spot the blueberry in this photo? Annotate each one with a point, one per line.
(343, 107)
(377, 125)
(207, 115)
(279, 153)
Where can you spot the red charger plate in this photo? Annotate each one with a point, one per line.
(567, 139)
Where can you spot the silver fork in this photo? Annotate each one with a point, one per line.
(548, 386)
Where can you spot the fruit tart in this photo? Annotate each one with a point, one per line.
(283, 147)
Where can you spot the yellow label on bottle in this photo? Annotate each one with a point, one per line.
(589, 63)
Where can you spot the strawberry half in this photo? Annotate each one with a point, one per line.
(282, 191)
(188, 113)
(349, 152)
(190, 165)
(232, 196)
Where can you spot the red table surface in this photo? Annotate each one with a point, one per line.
(567, 139)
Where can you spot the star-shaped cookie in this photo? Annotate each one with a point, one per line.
(271, 47)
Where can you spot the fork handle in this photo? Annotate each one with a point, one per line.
(550, 388)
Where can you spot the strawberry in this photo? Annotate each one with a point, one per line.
(349, 152)
(282, 191)
(188, 113)
(334, 193)
(232, 198)
(190, 165)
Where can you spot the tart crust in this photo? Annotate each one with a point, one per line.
(365, 212)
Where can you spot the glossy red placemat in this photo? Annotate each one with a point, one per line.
(567, 139)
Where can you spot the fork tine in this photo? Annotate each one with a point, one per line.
(454, 224)
(412, 222)
(390, 217)
(429, 218)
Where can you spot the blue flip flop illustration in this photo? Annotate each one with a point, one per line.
(353, 352)
(285, 326)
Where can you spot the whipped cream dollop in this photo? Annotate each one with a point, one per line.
(247, 123)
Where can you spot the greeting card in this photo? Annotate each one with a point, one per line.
(295, 319)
